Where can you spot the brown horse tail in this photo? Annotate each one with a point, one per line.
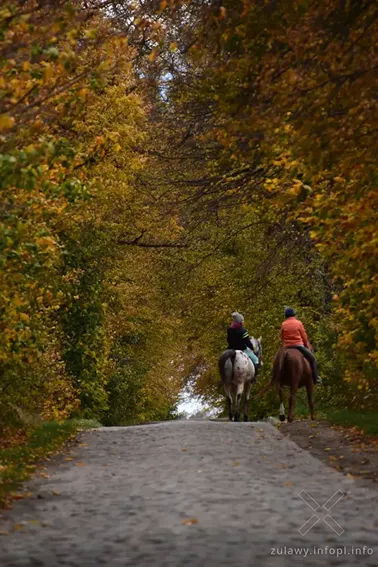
(265, 389)
(277, 369)
(278, 365)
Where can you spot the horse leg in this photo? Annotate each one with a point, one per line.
(227, 389)
(246, 400)
(282, 408)
(239, 392)
(293, 391)
(310, 389)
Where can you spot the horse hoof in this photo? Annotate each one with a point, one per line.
(282, 418)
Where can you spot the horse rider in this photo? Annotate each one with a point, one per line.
(238, 338)
(293, 335)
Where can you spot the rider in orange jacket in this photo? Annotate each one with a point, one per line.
(293, 335)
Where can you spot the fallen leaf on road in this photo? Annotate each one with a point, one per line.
(44, 475)
(21, 495)
(55, 492)
(83, 445)
(18, 526)
(327, 449)
(235, 464)
(288, 483)
(68, 459)
(81, 465)
(190, 521)
(3, 532)
(184, 449)
(33, 521)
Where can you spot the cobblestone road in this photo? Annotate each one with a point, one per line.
(196, 493)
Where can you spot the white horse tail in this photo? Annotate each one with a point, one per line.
(226, 365)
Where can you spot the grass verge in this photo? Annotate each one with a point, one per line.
(18, 462)
(367, 422)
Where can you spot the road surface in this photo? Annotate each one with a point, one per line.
(194, 493)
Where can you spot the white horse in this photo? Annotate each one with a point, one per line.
(238, 373)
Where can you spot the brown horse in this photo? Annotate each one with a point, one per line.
(290, 368)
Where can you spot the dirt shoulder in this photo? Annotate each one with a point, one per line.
(345, 449)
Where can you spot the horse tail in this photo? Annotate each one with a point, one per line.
(277, 369)
(227, 355)
(265, 389)
(278, 365)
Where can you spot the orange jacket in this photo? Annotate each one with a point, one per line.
(293, 333)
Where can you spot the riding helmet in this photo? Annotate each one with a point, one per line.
(289, 312)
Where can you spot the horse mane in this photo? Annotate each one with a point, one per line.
(254, 343)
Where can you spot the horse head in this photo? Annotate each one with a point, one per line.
(257, 348)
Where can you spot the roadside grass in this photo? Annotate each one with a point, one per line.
(19, 461)
(366, 421)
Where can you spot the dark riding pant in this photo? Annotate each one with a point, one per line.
(311, 358)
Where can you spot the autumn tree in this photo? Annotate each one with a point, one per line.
(278, 102)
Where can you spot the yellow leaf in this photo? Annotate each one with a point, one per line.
(48, 72)
(153, 55)
(6, 122)
(190, 521)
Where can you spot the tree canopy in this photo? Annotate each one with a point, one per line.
(165, 163)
